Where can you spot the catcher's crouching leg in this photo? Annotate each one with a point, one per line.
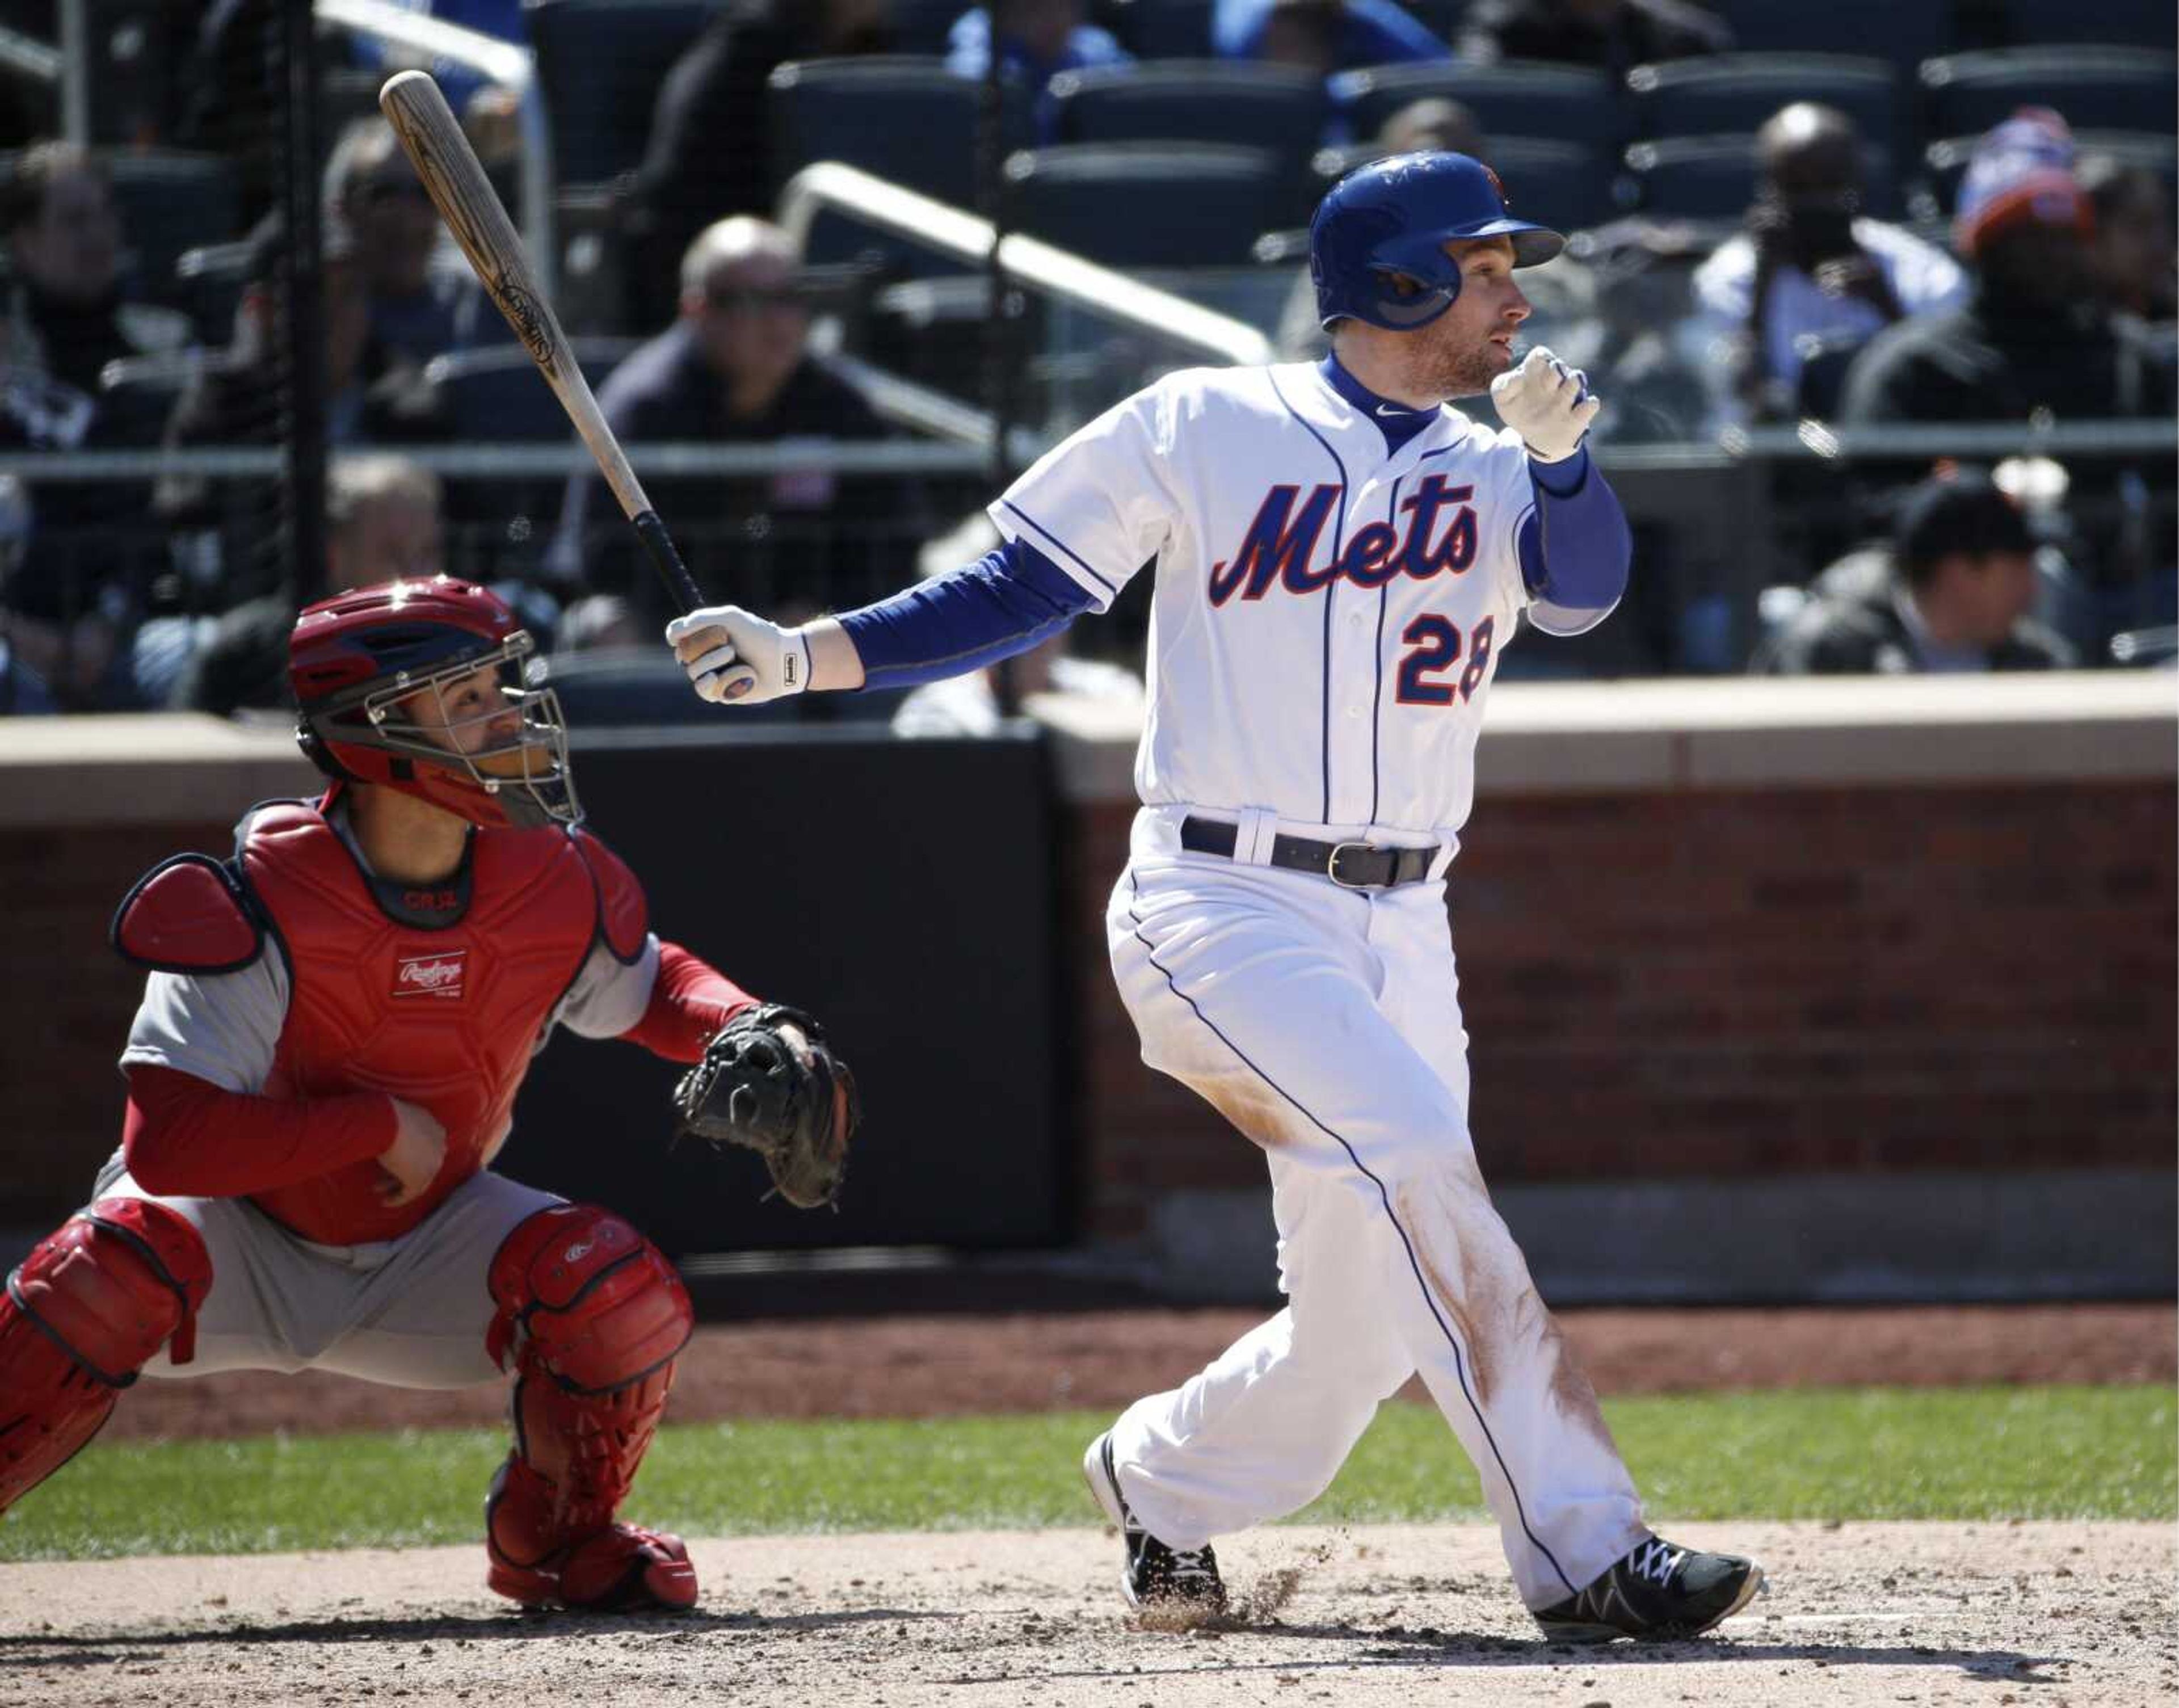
(83, 1313)
(591, 1317)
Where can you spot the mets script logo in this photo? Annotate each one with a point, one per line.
(1281, 542)
(429, 975)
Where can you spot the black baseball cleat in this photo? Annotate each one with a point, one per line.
(1155, 1577)
(1658, 1591)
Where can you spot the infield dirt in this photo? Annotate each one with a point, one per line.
(2062, 1614)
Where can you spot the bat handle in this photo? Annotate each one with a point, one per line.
(671, 570)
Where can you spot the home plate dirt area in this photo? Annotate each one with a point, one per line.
(2045, 1613)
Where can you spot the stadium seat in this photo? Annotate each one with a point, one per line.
(922, 26)
(907, 119)
(1905, 32)
(2134, 23)
(1162, 28)
(1518, 97)
(209, 280)
(1557, 184)
(1729, 93)
(170, 201)
(1143, 204)
(600, 63)
(2109, 88)
(494, 392)
(1714, 177)
(1269, 107)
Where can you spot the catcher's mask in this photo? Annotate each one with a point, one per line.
(428, 687)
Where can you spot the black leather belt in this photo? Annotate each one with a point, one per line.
(1354, 865)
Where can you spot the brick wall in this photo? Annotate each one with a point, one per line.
(1738, 982)
(1669, 970)
(65, 1002)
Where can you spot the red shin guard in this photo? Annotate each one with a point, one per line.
(590, 1316)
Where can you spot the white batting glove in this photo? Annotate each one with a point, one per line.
(732, 655)
(1548, 403)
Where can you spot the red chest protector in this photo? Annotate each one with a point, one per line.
(383, 996)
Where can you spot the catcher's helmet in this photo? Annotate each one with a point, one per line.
(1391, 220)
(381, 679)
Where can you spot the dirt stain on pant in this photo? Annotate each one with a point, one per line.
(1497, 1317)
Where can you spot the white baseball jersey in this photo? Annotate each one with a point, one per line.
(1327, 616)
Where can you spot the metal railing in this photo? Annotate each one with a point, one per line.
(503, 62)
(1028, 262)
(964, 431)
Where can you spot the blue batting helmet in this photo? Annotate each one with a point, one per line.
(1391, 220)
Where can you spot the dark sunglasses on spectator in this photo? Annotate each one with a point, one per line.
(750, 301)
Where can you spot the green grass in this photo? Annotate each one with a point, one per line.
(1964, 1453)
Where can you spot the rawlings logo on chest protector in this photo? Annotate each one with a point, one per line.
(1280, 543)
(439, 975)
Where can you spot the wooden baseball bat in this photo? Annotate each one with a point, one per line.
(457, 187)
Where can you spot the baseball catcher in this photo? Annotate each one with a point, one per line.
(770, 1081)
(335, 1021)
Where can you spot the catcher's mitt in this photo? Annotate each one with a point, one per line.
(796, 1109)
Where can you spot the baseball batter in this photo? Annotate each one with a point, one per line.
(1340, 560)
(323, 1065)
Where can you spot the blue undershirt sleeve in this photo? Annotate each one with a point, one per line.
(1575, 546)
(1007, 602)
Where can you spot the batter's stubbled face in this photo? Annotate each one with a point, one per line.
(1471, 343)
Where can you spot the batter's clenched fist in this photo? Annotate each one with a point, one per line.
(1548, 403)
(731, 654)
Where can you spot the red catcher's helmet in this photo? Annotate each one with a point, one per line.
(382, 677)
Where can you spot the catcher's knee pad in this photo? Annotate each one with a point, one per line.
(586, 1301)
(591, 1317)
(84, 1312)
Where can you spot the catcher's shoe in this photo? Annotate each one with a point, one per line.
(622, 1569)
(1657, 1592)
(1154, 1576)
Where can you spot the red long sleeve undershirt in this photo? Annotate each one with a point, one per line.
(691, 1000)
(184, 1135)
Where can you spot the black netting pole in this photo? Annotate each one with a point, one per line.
(301, 297)
(998, 324)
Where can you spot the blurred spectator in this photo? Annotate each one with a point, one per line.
(70, 593)
(416, 312)
(463, 86)
(2133, 255)
(1812, 275)
(23, 691)
(2034, 335)
(1324, 36)
(709, 153)
(970, 705)
(1038, 39)
(237, 398)
(734, 368)
(1436, 124)
(1615, 34)
(1950, 594)
(381, 524)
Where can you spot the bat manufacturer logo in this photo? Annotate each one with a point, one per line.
(526, 314)
(439, 974)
